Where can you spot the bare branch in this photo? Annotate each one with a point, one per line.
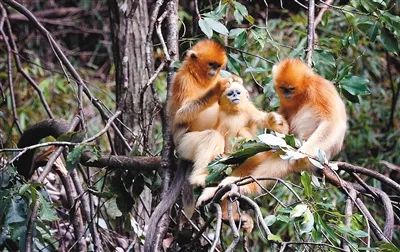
(218, 227)
(310, 32)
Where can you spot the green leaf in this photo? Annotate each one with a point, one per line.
(292, 155)
(112, 208)
(216, 172)
(46, 211)
(270, 219)
(359, 233)
(240, 40)
(258, 36)
(250, 19)
(238, 16)
(272, 140)
(387, 247)
(255, 70)
(298, 211)
(290, 140)
(283, 218)
(306, 182)
(308, 222)
(315, 163)
(16, 211)
(235, 32)
(205, 28)
(74, 157)
(369, 28)
(241, 8)
(247, 150)
(389, 41)
(272, 237)
(216, 26)
(355, 85)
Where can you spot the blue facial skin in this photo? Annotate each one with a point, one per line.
(234, 96)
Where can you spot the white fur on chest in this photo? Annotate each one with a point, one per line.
(234, 123)
(304, 123)
(206, 119)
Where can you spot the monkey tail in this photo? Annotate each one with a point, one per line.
(33, 135)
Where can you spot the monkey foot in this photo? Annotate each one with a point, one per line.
(206, 195)
(247, 223)
(198, 180)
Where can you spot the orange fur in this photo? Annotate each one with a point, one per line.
(193, 106)
(192, 82)
(239, 118)
(315, 113)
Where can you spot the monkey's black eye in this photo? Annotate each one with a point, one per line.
(214, 65)
(230, 93)
(287, 90)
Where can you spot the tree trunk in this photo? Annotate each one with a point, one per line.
(130, 26)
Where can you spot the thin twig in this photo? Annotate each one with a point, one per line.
(218, 227)
(236, 236)
(9, 69)
(310, 32)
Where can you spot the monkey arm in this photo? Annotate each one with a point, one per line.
(191, 109)
(328, 137)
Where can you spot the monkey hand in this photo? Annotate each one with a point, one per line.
(235, 78)
(221, 86)
(209, 192)
(247, 223)
(277, 122)
(206, 195)
(225, 83)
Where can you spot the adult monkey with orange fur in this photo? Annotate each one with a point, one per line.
(237, 117)
(196, 89)
(315, 113)
(193, 106)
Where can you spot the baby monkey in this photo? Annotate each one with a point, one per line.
(237, 117)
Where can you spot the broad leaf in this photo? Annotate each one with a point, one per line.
(298, 211)
(355, 85)
(216, 26)
(205, 28)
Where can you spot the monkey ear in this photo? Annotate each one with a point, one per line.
(274, 70)
(191, 54)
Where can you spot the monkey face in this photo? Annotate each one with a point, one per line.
(206, 58)
(236, 94)
(213, 68)
(286, 90)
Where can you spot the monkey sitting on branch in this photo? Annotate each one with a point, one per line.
(237, 118)
(315, 113)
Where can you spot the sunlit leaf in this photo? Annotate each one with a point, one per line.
(270, 219)
(272, 140)
(216, 26)
(298, 211)
(308, 222)
(272, 237)
(205, 28)
(316, 163)
(235, 32)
